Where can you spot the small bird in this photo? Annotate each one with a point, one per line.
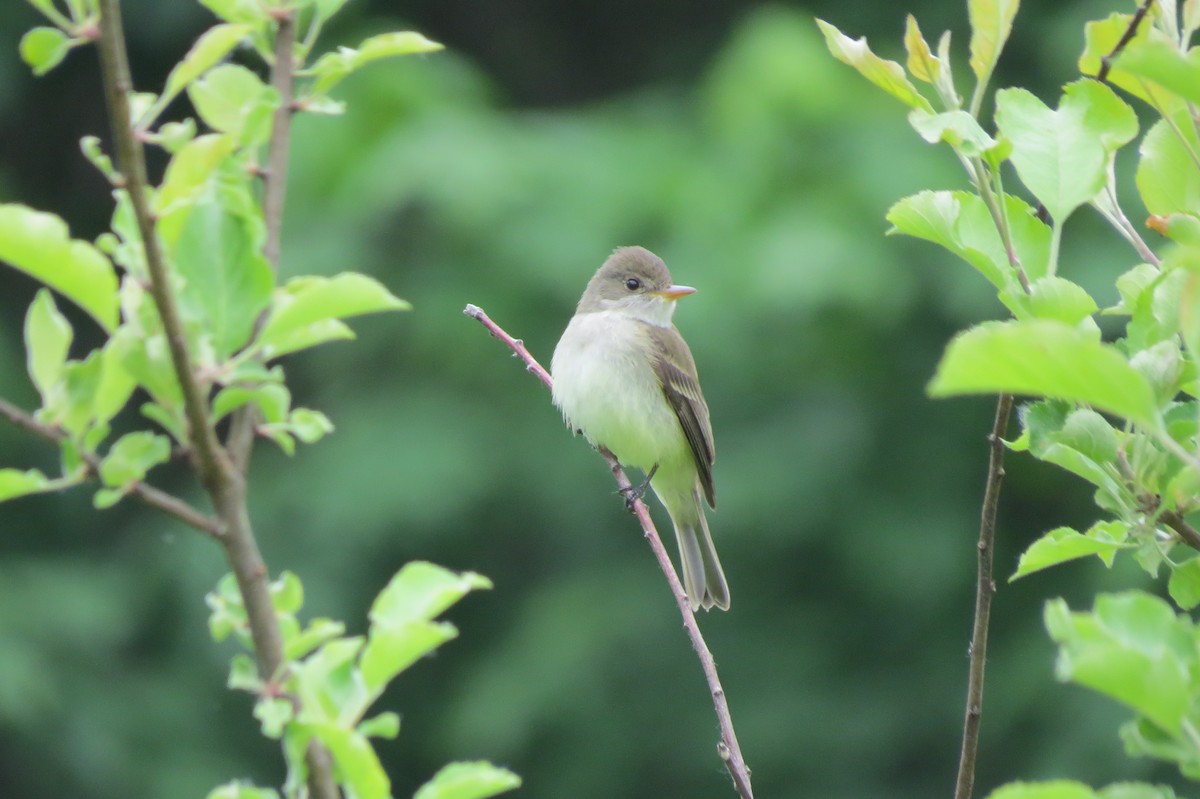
(625, 378)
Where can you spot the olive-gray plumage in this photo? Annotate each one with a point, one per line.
(626, 379)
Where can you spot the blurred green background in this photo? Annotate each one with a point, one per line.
(502, 172)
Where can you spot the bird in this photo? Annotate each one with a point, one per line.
(625, 378)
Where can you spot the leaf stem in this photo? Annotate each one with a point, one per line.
(984, 590)
(728, 748)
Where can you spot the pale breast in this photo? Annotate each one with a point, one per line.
(605, 386)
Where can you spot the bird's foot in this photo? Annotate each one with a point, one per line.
(633, 493)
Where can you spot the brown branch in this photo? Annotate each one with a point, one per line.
(728, 748)
(1106, 62)
(984, 590)
(149, 495)
(1187, 534)
(221, 478)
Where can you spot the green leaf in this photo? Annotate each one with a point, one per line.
(308, 425)
(233, 100)
(1101, 38)
(991, 22)
(1054, 789)
(307, 301)
(1167, 176)
(274, 713)
(356, 762)
(240, 790)
(115, 387)
(922, 63)
(960, 222)
(887, 75)
(957, 128)
(1162, 366)
(1064, 544)
(1048, 359)
(252, 12)
(48, 337)
(476, 780)
(1184, 585)
(420, 591)
(1053, 297)
(38, 244)
(1090, 434)
(75, 408)
(393, 648)
(1063, 155)
(287, 593)
(317, 633)
(385, 725)
(1132, 648)
(272, 399)
(307, 336)
(227, 281)
(132, 456)
(17, 483)
(44, 48)
(331, 68)
(243, 674)
(1136, 790)
(190, 171)
(90, 147)
(1163, 63)
(208, 51)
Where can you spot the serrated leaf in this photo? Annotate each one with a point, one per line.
(331, 68)
(274, 713)
(476, 780)
(1048, 359)
(393, 648)
(38, 244)
(208, 51)
(48, 337)
(131, 456)
(1062, 155)
(1131, 648)
(17, 483)
(227, 280)
(957, 128)
(1064, 544)
(887, 75)
(272, 399)
(991, 23)
(385, 725)
(1053, 297)
(922, 63)
(232, 99)
(1053, 789)
(1167, 176)
(300, 338)
(190, 171)
(240, 790)
(420, 591)
(1184, 585)
(1158, 61)
(356, 762)
(308, 301)
(44, 48)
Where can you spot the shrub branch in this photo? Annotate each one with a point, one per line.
(223, 481)
(728, 748)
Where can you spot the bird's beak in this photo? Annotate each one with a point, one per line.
(675, 292)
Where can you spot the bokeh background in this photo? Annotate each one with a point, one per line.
(501, 172)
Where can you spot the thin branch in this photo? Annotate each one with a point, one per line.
(728, 748)
(985, 588)
(149, 495)
(225, 484)
(1187, 534)
(1107, 61)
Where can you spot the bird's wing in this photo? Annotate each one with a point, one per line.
(682, 389)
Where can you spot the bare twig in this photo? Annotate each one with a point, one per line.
(985, 588)
(1187, 534)
(220, 476)
(151, 496)
(728, 748)
(1107, 61)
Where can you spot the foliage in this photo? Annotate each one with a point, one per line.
(1121, 415)
(234, 321)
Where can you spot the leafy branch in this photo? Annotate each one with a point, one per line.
(728, 748)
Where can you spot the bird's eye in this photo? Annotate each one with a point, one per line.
(633, 284)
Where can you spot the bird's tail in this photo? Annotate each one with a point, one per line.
(702, 575)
